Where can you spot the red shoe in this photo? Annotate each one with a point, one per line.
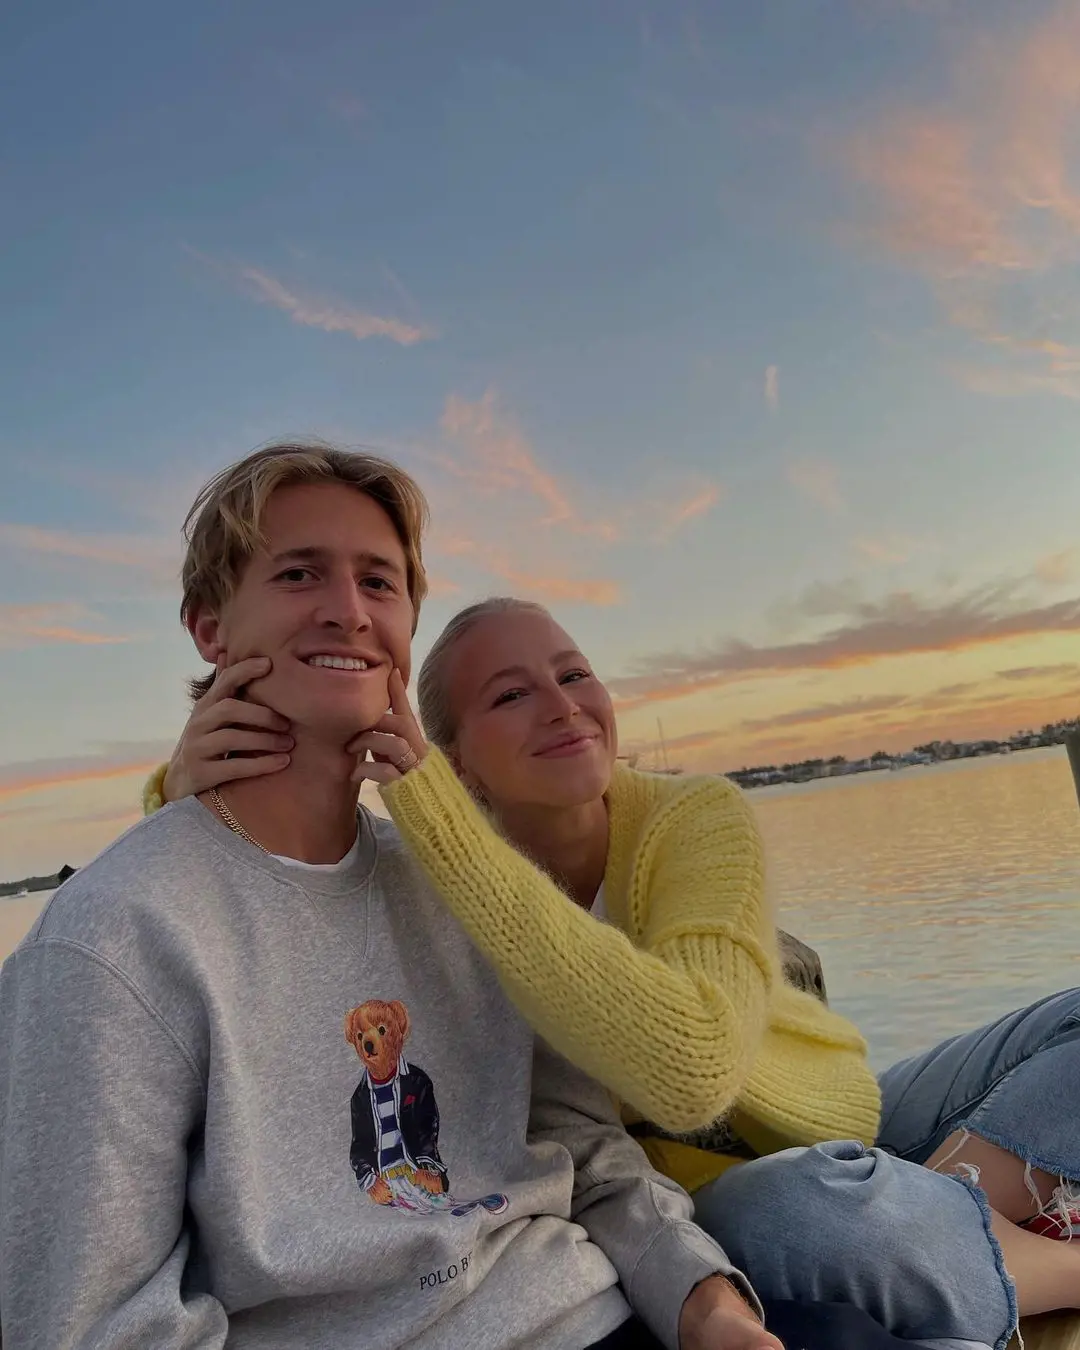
(1060, 1218)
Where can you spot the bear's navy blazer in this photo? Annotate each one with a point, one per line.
(418, 1120)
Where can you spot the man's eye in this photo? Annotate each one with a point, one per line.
(378, 584)
(295, 574)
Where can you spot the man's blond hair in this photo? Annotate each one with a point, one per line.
(223, 529)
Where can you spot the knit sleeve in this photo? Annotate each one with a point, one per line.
(810, 1082)
(672, 1026)
(153, 795)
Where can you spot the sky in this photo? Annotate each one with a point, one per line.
(746, 337)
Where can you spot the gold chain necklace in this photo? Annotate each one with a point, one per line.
(230, 820)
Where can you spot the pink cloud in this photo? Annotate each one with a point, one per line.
(975, 191)
(549, 587)
(495, 457)
(37, 625)
(902, 624)
(1055, 569)
(544, 533)
(16, 780)
(114, 550)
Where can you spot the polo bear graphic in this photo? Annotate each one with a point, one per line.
(395, 1120)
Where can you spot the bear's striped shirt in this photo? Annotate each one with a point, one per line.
(391, 1148)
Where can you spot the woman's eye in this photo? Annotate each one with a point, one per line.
(572, 675)
(509, 696)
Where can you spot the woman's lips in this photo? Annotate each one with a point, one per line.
(564, 749)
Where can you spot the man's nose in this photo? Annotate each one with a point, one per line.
(344, 606)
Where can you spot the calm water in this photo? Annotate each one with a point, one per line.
(937, 898)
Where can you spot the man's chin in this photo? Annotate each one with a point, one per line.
(337, 726)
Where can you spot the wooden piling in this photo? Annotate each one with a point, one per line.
(1072, 745)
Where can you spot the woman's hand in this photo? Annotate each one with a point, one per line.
(223, 725)
(396, 743)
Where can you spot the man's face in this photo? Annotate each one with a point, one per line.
(327, 601)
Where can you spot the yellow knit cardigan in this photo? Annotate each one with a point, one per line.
(677, 1005)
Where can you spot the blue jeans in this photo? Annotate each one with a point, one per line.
(872, 1227)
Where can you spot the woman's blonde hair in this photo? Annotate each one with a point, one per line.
(438, 718)
(223, 529)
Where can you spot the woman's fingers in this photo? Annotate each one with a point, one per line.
(390, 724)
(391, 756)
(214, 772)
(232, 769)
(230, 679)
(401, 708)
(234, 712)
(399, 699)
(234, 740)
(375, 772)
(384, 745)
(398, 724)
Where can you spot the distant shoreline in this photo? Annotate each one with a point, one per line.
(935, 752)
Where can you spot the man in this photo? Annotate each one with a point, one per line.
(256, 1086)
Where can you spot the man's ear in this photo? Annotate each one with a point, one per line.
(205, 630)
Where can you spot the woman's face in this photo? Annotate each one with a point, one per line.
(535, 725)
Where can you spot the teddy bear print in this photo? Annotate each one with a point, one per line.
(395, 1119)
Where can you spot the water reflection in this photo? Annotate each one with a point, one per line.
(937, 897)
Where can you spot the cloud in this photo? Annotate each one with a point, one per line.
(1064, 670)
(330, 315)
(140, 552)
(24, 626)
(856, 726)
(974, 191)
(902, 624)
(495, 458)
(819, 481)
(892, 549)
(674, 518)
(489, 483)
(549, 588)
(39, 775)
(570, 590)
(1056, 569)
(772, 387)
(824, 712)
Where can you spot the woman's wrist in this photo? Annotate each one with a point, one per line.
(153, 797)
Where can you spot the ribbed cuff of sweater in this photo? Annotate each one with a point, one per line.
(426, 787)
(671, 1269)
(153, 793)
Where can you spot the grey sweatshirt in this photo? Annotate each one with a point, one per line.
(247, 1104)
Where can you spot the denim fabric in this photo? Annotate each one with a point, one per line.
(1015, 1083)
(874, 1228)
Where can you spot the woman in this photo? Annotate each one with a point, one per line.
(625, 914)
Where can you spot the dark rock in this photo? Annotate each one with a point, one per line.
(802, 965)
